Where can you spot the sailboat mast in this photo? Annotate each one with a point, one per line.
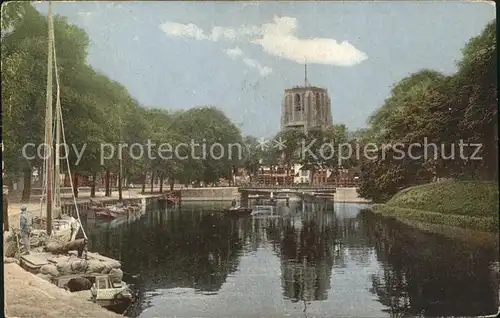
(57, 170)
(48, 123)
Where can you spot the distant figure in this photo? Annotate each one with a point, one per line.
(233, 203)
(25, 223)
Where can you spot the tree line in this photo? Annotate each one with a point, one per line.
(429, 107)
(95, 110)
(98, 110)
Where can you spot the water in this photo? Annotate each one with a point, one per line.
(317, 260)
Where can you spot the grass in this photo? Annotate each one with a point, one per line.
(464, 204)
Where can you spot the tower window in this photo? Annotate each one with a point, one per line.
(298, 103)
(318, 104)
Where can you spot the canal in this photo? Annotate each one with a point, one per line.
(316, 260)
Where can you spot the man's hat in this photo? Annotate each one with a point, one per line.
(23, 208)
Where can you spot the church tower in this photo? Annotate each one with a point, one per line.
(306, 107)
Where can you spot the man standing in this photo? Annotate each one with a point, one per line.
(25, 227)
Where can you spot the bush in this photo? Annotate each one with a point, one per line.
(469, 198)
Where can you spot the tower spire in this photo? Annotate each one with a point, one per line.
(306, 82)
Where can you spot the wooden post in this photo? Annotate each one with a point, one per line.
(5, 209)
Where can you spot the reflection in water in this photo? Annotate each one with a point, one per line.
(326, 261)
(429, 274)
(307, 256)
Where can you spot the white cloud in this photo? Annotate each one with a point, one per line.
(263, 70)
(234, 53)
(277, 38)
(180, 30)
(222, 33)
(237, 53)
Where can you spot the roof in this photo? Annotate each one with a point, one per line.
(305, 88)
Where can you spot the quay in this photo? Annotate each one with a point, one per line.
(68, 206)
(27, 295)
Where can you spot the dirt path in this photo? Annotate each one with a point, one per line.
(29, 296)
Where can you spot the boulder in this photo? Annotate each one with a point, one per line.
(116, 275)
(95, 266)
(49, 269)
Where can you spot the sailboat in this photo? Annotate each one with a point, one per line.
(58, 224)
(104, 291)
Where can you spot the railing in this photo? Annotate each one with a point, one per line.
(291, 187)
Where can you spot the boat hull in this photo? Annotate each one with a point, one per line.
(238, 212)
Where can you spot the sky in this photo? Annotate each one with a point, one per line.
(241, 56)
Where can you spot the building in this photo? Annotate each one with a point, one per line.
(274, 176)
(319, 177)
(306, 107)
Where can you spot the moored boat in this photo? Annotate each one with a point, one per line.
(98, 288)
(238, 211)
(264, 211)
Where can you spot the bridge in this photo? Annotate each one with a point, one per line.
(262, 188)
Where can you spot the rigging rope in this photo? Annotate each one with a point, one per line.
(59, 109)
(44, 171)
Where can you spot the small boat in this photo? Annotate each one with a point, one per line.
(238, 210)
(114, 296)
(170, 198)
(116, 211)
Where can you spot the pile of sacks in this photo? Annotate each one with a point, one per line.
(73, 265)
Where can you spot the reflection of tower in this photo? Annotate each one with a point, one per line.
(306, 107)
(306, 259)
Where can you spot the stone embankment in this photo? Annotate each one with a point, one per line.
(29, 296)
(209, 194)
(34, 207)
(348, 195)
(32, 294)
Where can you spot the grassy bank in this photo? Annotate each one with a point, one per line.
(463, 204)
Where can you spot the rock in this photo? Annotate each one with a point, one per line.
(44, 276)
(49, 269)
(95, 266)
(9, 260)
(64, 268)
(116, 275)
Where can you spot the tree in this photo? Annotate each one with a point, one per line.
(428, 107)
